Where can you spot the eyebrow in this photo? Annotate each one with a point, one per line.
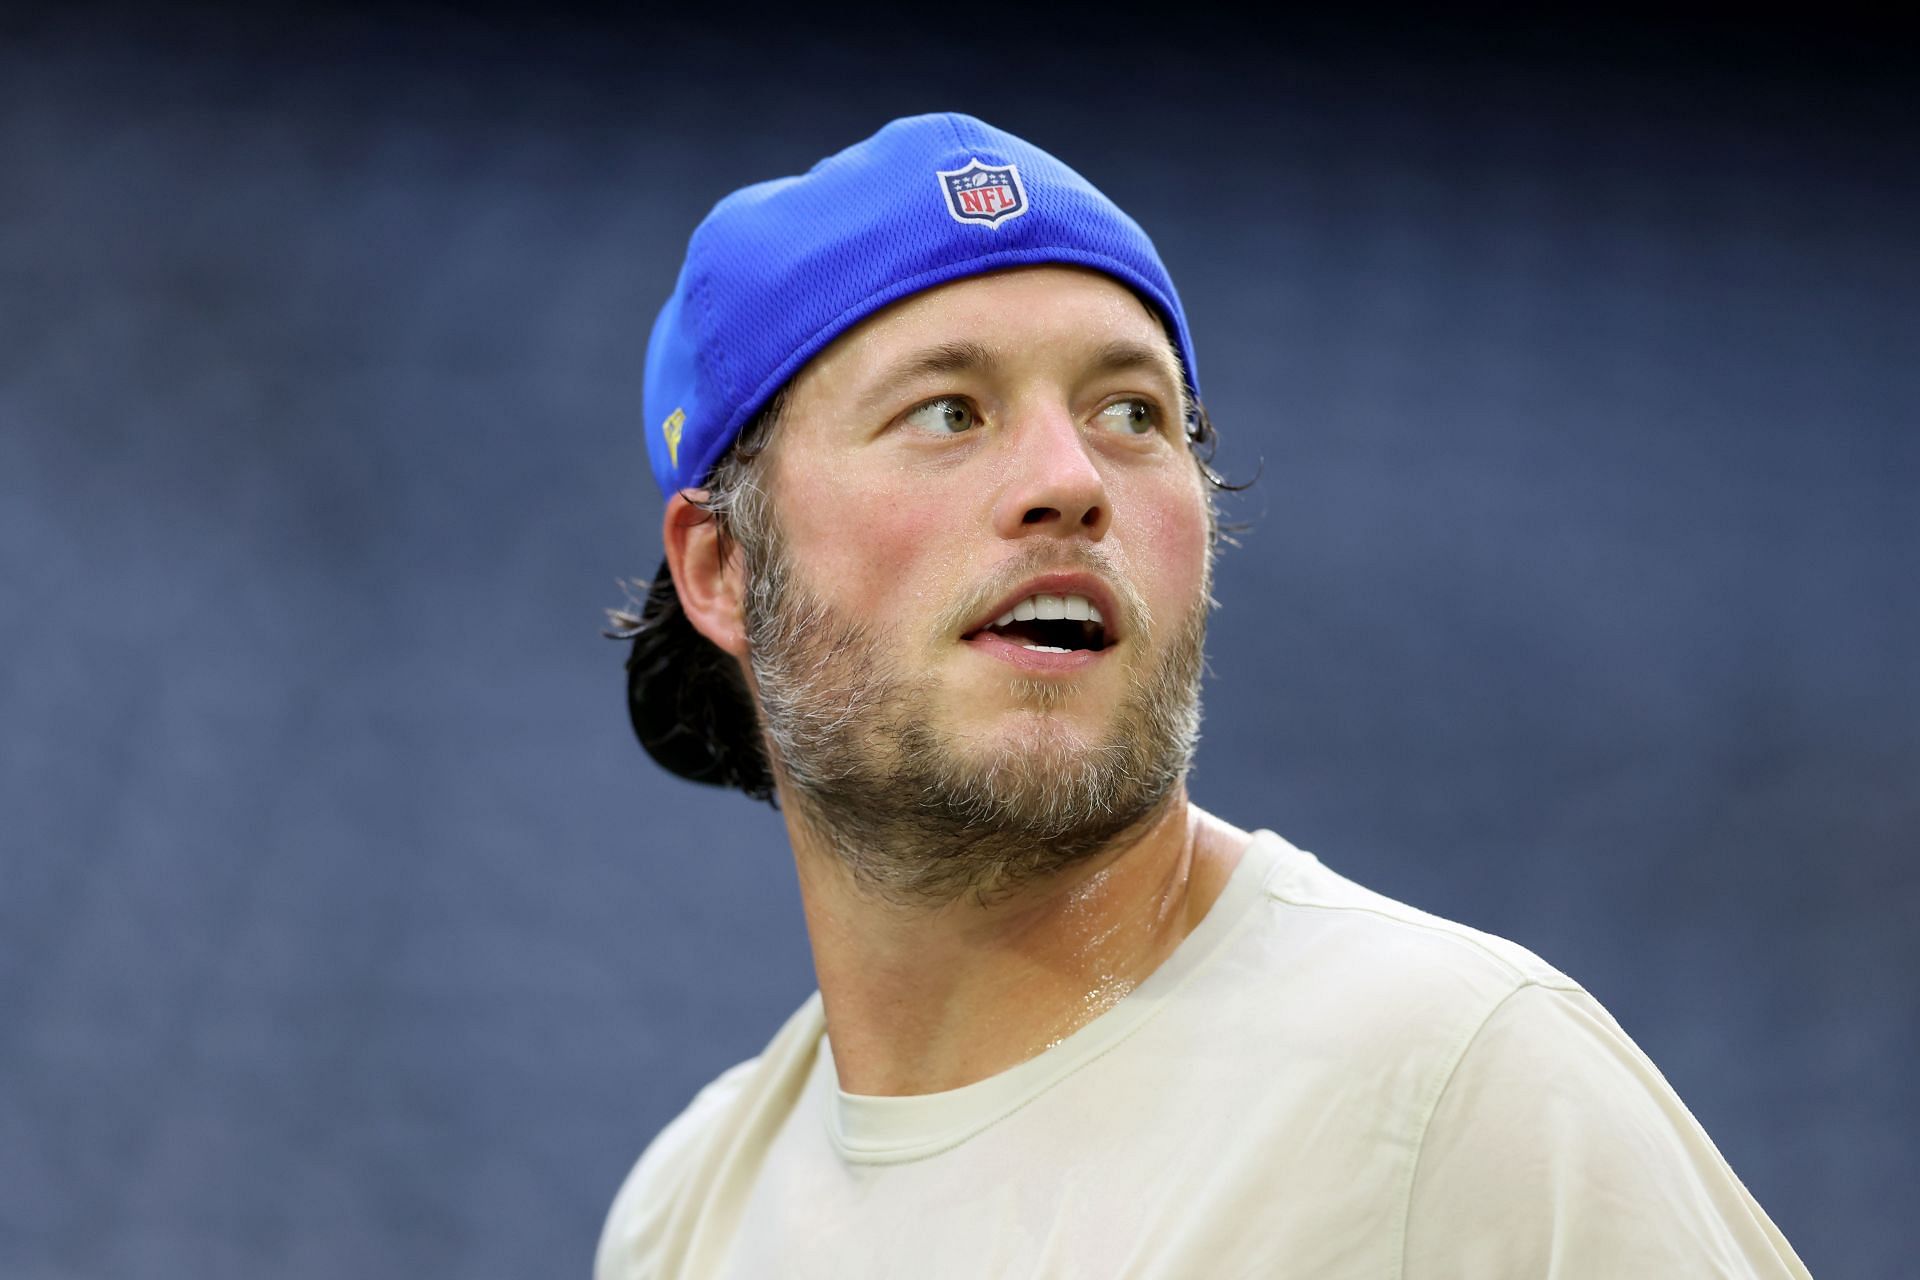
(1118, 356)
(1123, 353)
(948, 357)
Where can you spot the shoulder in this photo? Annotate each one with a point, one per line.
(1542, 1140)
(637, 1222)
(1552, 1134)
(1405, 937)
(1391, 981)
(673, 1184)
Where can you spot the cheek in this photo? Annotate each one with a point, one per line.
(887, 544)
(1166, 538)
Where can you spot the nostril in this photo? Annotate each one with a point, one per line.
(1038, 515)
(1091, 518)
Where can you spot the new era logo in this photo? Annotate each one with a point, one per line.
(983, 193)
(676, 423)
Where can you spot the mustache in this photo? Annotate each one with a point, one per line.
(1134, 620)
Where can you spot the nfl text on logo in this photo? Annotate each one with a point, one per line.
(983, 193)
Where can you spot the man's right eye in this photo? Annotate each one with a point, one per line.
(947, 416)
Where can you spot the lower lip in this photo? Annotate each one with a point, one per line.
(1035, 661)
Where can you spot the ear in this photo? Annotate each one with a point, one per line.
(706, 574)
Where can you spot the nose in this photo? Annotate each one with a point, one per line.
(1053, 485)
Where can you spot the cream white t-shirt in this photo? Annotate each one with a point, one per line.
(1318, 1082)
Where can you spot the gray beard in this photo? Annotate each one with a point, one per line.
(914, 817)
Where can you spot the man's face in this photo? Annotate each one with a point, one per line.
(1007, 440)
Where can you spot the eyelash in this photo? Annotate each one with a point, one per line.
(1154, 417)
(1153, 420)
(944, 400)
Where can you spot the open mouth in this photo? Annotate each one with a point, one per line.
(1050, 624)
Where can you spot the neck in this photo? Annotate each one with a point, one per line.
(923, 998)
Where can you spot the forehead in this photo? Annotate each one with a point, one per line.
(1024, 316)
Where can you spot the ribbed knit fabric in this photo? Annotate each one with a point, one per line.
(780, 269)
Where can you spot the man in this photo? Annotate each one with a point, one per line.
(939, 534)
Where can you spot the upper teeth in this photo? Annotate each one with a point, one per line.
(1045, 607)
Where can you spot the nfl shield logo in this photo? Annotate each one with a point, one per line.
(983, 193)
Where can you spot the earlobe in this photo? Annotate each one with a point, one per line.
(706, 574)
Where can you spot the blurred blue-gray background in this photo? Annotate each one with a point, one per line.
(344, 930)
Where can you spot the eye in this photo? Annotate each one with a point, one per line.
(1131, 417)
(947, 416)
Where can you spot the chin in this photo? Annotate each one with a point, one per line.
(1031, 753)
(1042, 723)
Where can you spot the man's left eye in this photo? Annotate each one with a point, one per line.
(947, 416)
(1130, 417)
